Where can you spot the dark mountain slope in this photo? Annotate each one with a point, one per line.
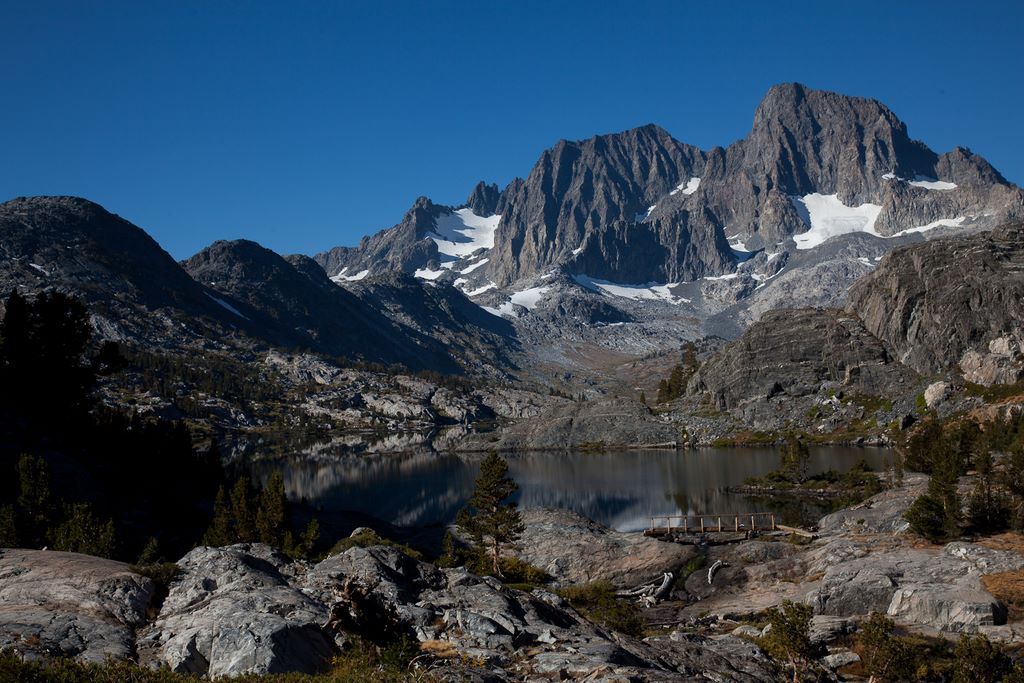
(297, 305)
(132, 286)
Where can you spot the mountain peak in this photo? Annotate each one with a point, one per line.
(483, 200)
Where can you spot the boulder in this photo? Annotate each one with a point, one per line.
(573, 549)
(924, 587)
(234, 611)
(936, 393)
(67, 604)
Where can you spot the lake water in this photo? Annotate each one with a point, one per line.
(621, 489)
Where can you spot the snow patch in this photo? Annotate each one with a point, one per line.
(462, 232)
(922, 181)
(470, 269)
(529, 298)
(427, 274)
(727, 276)
(688, 187)
(486, 288)
(828, 217)
(228, 307)
(941, 223)
(350, 278)
(932, 183)
(651, 291)
(42, 270)
(577, 250)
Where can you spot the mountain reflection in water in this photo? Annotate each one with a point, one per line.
(621, 489)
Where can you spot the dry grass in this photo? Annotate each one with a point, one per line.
(1009, 541)
(1008, 587)
(439, 648)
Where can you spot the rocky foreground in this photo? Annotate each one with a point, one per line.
(247, 608)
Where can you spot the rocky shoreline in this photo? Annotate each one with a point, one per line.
(249, 609)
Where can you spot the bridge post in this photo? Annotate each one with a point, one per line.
(753, 523)
(719, 525)
(702, 525)
(686, 524)
(737, 520)
(773, 522)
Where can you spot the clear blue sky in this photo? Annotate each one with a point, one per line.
(304, 125)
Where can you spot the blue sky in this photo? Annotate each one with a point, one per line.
(304, 125)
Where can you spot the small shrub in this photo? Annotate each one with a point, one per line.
(369, 539)
(885, 655)
(978, 660)
(597, 602)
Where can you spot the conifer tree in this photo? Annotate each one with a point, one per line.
(790, 636)
(795, 458)
(8, 529)
(221, 531)
(242, 518)
(34, 501)
(271, 515)
(490, 520)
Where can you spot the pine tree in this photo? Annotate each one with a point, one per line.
(83, 532)
(795, 458)
(8, 530)
(988, 510)
(885, 655)
(34, 500)
(221, 531)
(490, 521)
(271, 513)
(690, 357)
(935, 515)
(243, 521)
(789, 638)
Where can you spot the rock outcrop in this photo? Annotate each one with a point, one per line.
(573, 549)
(795, 353)
(70, 605)
(245, 609)
(600, 423)
(951, 302)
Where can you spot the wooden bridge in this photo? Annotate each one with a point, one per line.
(733, 523)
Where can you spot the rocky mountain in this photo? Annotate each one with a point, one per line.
(951, 303)
(821, 187)
(134, 288)
(297, 306)
(234, 294)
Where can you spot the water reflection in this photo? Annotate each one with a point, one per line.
(620, 489)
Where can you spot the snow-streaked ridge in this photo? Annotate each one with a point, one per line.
(462, 232)
(228, 307)
(651, 291)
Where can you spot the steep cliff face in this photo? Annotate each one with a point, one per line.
(599, 186)
(951, 302)
(794, 353)
(403, 247)
(640, 206)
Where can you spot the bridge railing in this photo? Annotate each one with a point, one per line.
(745, 521)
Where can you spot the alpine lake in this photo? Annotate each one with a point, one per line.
(623, 489)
